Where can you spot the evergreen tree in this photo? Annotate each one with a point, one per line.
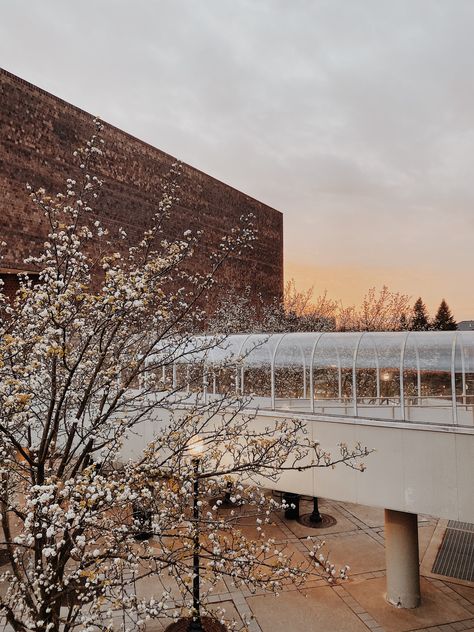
(420, 320)
(403, 325)
(444, 320)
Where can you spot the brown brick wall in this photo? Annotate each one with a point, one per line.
(39, 132)
(10, 283)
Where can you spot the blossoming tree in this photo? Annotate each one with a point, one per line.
(86, 355)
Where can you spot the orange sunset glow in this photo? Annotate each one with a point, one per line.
(349, 284)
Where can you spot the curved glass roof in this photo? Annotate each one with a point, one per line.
(411, 376)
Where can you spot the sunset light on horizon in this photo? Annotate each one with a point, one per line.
(350, 284)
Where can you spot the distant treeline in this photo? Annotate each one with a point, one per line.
(380, 310)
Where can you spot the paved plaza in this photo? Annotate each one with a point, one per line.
(358, 604)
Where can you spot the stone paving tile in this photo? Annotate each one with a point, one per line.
(457, 626)
(373, 625)
(370, 516)
(246, 614)
(248, 527)
(436, 608)
(217, 598)
(464, 595)
(376, 536)
(320, 609)
(425, 534)
(359, 551)
(238, 598)
(357, 609)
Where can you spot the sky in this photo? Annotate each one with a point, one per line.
(355, 118)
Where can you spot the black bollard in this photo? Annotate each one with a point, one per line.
(292, 512)
(226, 501)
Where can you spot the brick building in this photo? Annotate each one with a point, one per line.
(39, 133)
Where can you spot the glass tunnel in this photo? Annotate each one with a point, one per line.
(423, 377)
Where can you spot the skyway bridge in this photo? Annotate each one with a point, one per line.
(408, 396)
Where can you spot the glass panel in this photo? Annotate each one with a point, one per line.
(434, 353)
(378, 375)
(368, 374)
(227, 350)
(292, 360)
(257, 361)
(466, 344)
(258, 349)
(222, 380)
(464, 372)
(427, 372)
(223, 364)
(332, 368)
(190, 377)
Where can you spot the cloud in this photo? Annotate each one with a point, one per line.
(355, 118)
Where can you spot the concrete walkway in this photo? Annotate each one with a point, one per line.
(358, 604)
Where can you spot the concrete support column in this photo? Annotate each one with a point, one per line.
(401, 553)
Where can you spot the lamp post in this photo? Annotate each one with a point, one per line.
(315, 517)
(195, 449)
